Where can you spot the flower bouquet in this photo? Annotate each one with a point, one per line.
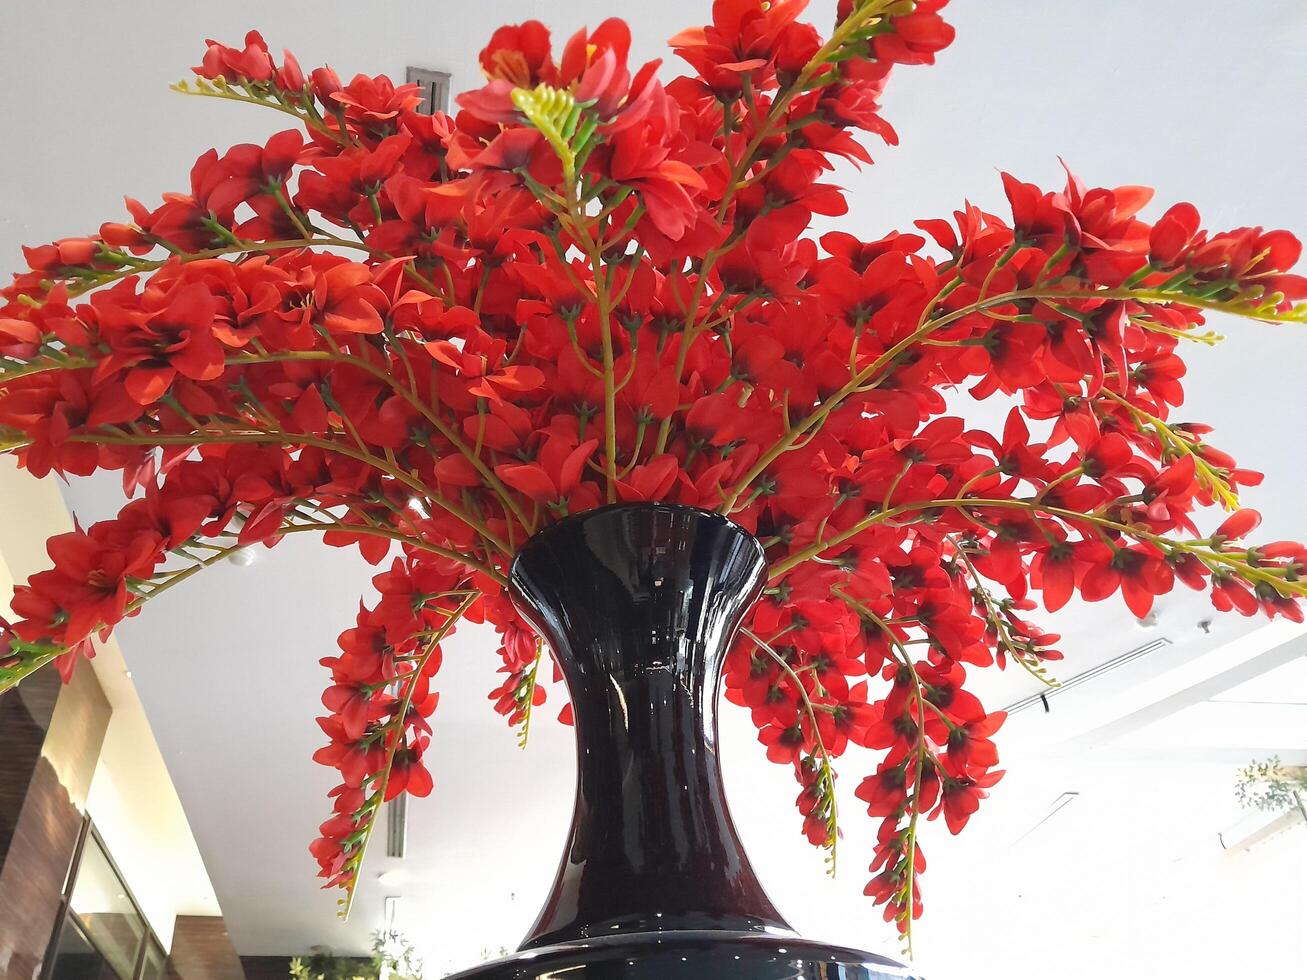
(428, 338)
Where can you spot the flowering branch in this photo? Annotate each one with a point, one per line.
(826, 808)
(392, 736)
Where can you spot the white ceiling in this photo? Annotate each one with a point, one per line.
(1199, 97)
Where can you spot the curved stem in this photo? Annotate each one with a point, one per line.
(1036, 669)
(382, 780)
(295, 439)
(1197, 549)
(211, 90)
(407, 539)
(235, 248)
(866, 378)
(495, 484)
(908, 890)
(180, 575)
(827, 774)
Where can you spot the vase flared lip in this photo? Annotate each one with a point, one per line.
(542, 537)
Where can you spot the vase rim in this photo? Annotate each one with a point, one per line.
(557, 527)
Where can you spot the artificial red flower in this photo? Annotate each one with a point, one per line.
(1139, 572)
(491, 380)
(374, 101)
(961, 798)
(520, 55)
(251, 62)
(171, 335)
(555, 479)
(88, 587)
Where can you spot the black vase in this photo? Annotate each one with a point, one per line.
(639, 603)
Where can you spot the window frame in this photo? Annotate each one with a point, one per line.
(88, 832)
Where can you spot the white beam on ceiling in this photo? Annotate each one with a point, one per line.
(1152, 688)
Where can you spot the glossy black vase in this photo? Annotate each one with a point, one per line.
(639, 603)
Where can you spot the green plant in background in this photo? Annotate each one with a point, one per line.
(1271, 786)
(393, 958)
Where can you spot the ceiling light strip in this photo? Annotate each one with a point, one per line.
(1041, 697)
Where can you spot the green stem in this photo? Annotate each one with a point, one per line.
(401, 713)
(827, 774)
(865, 376)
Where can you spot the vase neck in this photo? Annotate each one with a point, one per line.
(639, 603)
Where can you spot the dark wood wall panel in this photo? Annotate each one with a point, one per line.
(202, 950)
(25, 714)
(31, 882)
(45, 732)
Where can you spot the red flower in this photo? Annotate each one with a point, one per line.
(594, 65)
(961, 798)
(970, 750)
(917, 36)
(170, 335)
(355, 760)
(52, 408)
(555, 479)
(251, 169)
(1015, 360)
(252, 62)
(347, 300)
(740, 41)
(1237, 525)
(1054, 572)
(650, 481)
(373, 101)
(408, 774)
(1172, 236)
(641, 158)
(88, 587)
(1016, 454)
(520, 55)
(356, 707)
(1137, 571)
(1044, 220)
(65, 253)
(784, 744)
(886, 792)
(492, 377)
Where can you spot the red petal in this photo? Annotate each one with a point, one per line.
(529, 479)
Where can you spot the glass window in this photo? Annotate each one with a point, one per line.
(76, 959)
(155, 964)
(107, 914)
